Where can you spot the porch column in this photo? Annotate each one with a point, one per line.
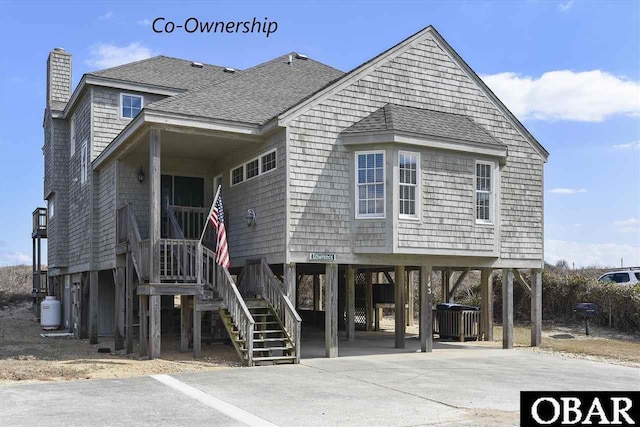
(317, 297)
(118, 337)
(331, 311)
(507, 308)
(486, 305)
(129, 295)
(154, 205)
(289, 271)
(351, 303)
(93, 307)
(185, 322)
(143, 321)
(399, 300)
(426, 310)
(197, 329)
(536, 307)
(154, 326)
(446, 285)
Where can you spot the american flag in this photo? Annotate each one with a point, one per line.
(217, 220)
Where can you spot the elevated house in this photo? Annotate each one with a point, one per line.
(406, 165)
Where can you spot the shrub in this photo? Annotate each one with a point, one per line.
(15, 284)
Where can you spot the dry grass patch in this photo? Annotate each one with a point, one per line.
(15, 284)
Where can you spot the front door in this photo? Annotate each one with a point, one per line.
(183, 191)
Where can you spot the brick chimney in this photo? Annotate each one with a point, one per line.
(58, 79)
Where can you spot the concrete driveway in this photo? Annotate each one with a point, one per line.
(448, 386)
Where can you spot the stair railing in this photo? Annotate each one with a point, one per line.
(127, 231)
(228, 292)
(273, 292)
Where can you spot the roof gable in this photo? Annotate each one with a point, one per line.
(385, 57)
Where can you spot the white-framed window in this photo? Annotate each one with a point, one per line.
(237, 175)
(72, 134)
(485, 199)
(370, 191)
(84, 162)
(51, 207)
(268, 161)
(409, 182)
(130, 105)
(255, 167)
(252, 169)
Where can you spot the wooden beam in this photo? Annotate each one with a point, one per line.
(507, 308)
(185, 322)
(331, 311)
(118, 284)
(93, 307)
(169, 289)
(445, 284)
(536, 307)
(154, 209)
(426, 309)
(289, 272)
(452, 291)
(389, 279)
(317, 297)
(369, 298)
(128, 304)
(154, 326)
(351, 303)
(197, 330)
(399, 301)
(144, 325)
(410, 297)
(521, 280)
(486, 305)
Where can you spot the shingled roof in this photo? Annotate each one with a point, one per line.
(167, 72)
(423, 122)
(256, 95)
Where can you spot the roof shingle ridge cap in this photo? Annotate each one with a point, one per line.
(95, 72)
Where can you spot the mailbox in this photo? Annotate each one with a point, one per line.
(587, 310)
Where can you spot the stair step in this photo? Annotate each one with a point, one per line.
(268, 331)
(266, 349)
(270, 339)
(273, 358)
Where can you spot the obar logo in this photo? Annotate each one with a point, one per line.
(545, 408)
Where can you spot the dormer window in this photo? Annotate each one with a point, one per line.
(130, 105)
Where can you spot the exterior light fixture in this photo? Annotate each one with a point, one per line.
(251, 217)
(141, 175)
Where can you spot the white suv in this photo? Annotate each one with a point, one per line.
(624, 277)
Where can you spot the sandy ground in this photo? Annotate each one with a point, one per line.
(26, 356)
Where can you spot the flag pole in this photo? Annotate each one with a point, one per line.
(206, 220)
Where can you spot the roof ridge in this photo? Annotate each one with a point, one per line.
(126, 64)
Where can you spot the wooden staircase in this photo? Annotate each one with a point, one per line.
(271, 342)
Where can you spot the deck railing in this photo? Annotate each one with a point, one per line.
(190, 219)
(178, 260)
(230, 295)
(273, 292)
(40, 222)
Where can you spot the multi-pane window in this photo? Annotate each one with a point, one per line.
(131, 105)
(484, 192)
(370, 184)
(409, 167)
(252, 169)
(237, 175)
(84, 163)
(268, 161)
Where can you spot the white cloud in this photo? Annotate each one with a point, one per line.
(630, 225)
(106, 16)
(563, 7)
(13, 258)
(105, 55)
(586, 254)
(144, 22)
(587, 96)
(567, 190)
(635, 144)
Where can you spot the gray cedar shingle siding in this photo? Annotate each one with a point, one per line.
(421, 77)
(107, 123)
(79, 249)
(104, 218)
(130, 191)
(59, 79)
(266, 195)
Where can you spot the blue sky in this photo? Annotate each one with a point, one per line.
(570, 70)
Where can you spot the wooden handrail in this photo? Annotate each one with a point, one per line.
(273, 292)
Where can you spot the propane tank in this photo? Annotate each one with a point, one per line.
(50, 313)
